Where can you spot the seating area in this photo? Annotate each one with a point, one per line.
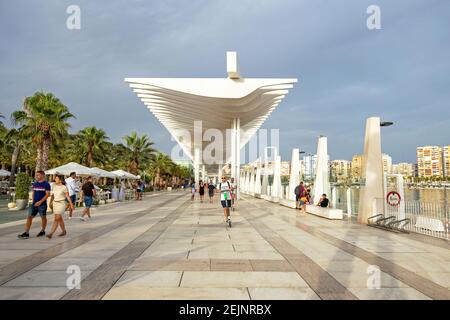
(328, 213)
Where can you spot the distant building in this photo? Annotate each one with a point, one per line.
(387, 163)
(357, 163)
(430, 161)
(405, 169)
(309, 166)
(446, 160)
(341, 169)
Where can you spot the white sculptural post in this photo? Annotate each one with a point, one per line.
(276, 187)
(372, 170)
(265, 180)
(349, 202)
(322, 182)
(258, 178)
(196, 164)
(294, 179)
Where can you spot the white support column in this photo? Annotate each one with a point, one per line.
(349, 202)
(322, 182)
(334, 197)
(197, 164)
(238, 157)
(294, 179)
(203, 173)
(258, 178)
(219, 174)
(372, 170)
(276, 187)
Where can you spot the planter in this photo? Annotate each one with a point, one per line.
(21, 204)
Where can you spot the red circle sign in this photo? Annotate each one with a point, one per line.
(393, 198)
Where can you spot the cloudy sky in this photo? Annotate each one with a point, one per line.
(346, 72)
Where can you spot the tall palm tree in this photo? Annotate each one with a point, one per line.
(140, 151)
(162, 165)
(16, 141)
(93, 144)
(44, 118)
(1, 117)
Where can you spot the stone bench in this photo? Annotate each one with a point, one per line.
(429, 224)
(329, 213)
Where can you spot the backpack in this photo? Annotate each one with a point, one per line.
(297, 191)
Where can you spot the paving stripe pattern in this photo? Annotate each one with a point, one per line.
(99, 282)
(16, 268)
(423, 285)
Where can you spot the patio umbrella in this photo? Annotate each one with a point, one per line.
(125, 175)
(72, 167)
(4, 173)
(103, 173)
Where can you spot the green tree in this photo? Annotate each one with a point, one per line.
(45, 121)
(93, 144)
(140, 151)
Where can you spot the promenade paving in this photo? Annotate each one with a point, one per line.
(167, 247)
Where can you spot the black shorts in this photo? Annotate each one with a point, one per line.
(42, 210)
(226, 203)
(297, 198)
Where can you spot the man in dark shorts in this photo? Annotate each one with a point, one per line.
(225, 198)
(41, 191)
(88, 190)
(211, 189)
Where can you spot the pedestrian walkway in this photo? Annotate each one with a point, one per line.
(166, 247)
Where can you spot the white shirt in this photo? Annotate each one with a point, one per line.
(72, 186)
(225, 190)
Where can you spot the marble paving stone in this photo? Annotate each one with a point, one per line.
(61, 263)
(358, 279)
(389, 294)
(41, 278)
(230, 265)
(178, 294)
(242, 279)
(282, 294)
(271, 265)
(32, 293)
(133, 279)
(151, 264)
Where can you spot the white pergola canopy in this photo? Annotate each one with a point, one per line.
(217, 103)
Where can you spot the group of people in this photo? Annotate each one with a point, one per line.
(60, 197)
(303, 198)
(226, 188)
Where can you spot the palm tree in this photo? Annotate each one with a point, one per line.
(162, 165)
(1, 117)
(44, 118)
(139, 151)
(93, 144)
(16, 141)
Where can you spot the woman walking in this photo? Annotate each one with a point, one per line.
(193, 189)
(211, 189)
(60, 194)
(201, 190)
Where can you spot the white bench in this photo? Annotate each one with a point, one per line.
(329, 213)
(429, 224)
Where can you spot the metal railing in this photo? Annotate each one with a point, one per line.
(431, 219)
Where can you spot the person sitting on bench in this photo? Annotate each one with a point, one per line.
(324, 202)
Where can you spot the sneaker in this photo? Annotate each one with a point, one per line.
(41, 234)
(70, 218)
(24, 235)
(83, 219)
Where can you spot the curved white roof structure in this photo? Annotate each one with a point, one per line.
(178, 103)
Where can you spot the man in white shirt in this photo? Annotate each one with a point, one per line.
(73, 187)
(225, 198)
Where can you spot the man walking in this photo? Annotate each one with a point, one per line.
(225, 199)
(73, 188)
(41, 191)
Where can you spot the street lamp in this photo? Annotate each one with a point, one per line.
(386, 123)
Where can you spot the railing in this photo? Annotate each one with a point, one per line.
(431, 219)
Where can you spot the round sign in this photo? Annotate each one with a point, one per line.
(393, 198)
